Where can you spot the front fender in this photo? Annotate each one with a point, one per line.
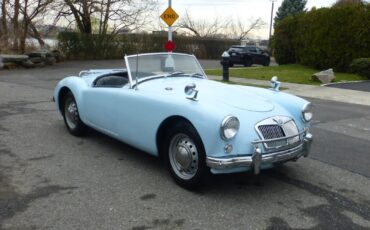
(74, 84)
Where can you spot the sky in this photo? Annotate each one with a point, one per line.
(243, 9)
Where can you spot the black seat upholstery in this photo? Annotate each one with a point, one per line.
(111, 81)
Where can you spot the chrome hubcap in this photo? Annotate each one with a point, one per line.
(71, 114)
(183, 156)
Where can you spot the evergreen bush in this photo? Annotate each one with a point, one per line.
(361, 66)
(324, 38)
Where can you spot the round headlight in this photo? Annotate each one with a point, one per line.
(229, 127)
(307, 112)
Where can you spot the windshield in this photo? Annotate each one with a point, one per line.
(147, 66)
(236, 49)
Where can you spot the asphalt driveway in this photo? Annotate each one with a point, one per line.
(52, 180)
(360, 86)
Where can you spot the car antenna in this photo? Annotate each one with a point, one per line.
(137, 66)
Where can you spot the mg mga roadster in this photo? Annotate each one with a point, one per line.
(164, 104)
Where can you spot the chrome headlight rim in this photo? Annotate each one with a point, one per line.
(307, 113)
(224, 124)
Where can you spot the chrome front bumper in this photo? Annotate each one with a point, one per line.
(257, 158)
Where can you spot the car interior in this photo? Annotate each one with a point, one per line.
(115, 80)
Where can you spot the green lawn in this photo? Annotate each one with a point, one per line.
(293, 73)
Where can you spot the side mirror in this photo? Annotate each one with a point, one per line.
(191, 92)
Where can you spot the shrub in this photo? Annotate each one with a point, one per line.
(81, 46)
(361, 66)
(324, 38)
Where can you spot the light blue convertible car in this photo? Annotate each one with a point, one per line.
(163, 104)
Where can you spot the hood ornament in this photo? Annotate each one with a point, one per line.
(191, 92)
(279, 122)
(275, 84)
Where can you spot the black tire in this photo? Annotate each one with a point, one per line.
(183, 138)
(247, 62)
(267, 63)
(71, 116)
(231, 64)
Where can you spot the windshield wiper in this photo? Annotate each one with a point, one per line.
(197, 75)
(175, 74)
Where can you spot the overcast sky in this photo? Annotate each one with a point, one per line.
(244, 9)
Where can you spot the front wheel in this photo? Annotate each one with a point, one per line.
(267, 62)
(185, 156)
(71, 116)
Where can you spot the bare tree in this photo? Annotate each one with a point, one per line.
(203, 28)
(19, 18)
(113, 15)
(242, 30)
(3, 20)
(30, 9)
(220, 27)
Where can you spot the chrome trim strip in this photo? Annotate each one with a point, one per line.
(257, 158)
(159, 53)
(128, 71)
(272, 121)
(223, 123)
(307, 106)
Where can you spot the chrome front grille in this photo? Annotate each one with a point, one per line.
(277, 128)
(271, 131)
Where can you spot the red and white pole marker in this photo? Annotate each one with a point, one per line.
(169, 16)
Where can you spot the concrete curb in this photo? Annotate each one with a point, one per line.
(319, 92)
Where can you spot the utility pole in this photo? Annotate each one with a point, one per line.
(272, 12)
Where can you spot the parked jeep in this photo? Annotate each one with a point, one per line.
(248, 55)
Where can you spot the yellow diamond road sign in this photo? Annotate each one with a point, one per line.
(169, 16)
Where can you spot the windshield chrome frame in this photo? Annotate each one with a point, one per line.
(130, 77)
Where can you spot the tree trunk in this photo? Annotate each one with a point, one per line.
(35, 34)
(16, 26)
(4, 23)
(82, 18)
(25, 24)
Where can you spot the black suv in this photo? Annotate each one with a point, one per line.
(248, 55)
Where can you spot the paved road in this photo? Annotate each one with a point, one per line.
(360, 86)
(52, 180)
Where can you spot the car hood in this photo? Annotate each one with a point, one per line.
(212, 92)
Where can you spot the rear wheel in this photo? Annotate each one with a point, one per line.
(71, 116)
(267, 62)
(231, 64)
(185, 156)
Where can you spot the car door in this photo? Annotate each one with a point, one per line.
(101, 105)
(260, 56)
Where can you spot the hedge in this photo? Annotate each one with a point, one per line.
(361, 66)
(82, 46)
(324, 38)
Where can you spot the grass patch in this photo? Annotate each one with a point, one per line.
(293, 73)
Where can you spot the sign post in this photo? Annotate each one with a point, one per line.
(169, 16)
(170, 26)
